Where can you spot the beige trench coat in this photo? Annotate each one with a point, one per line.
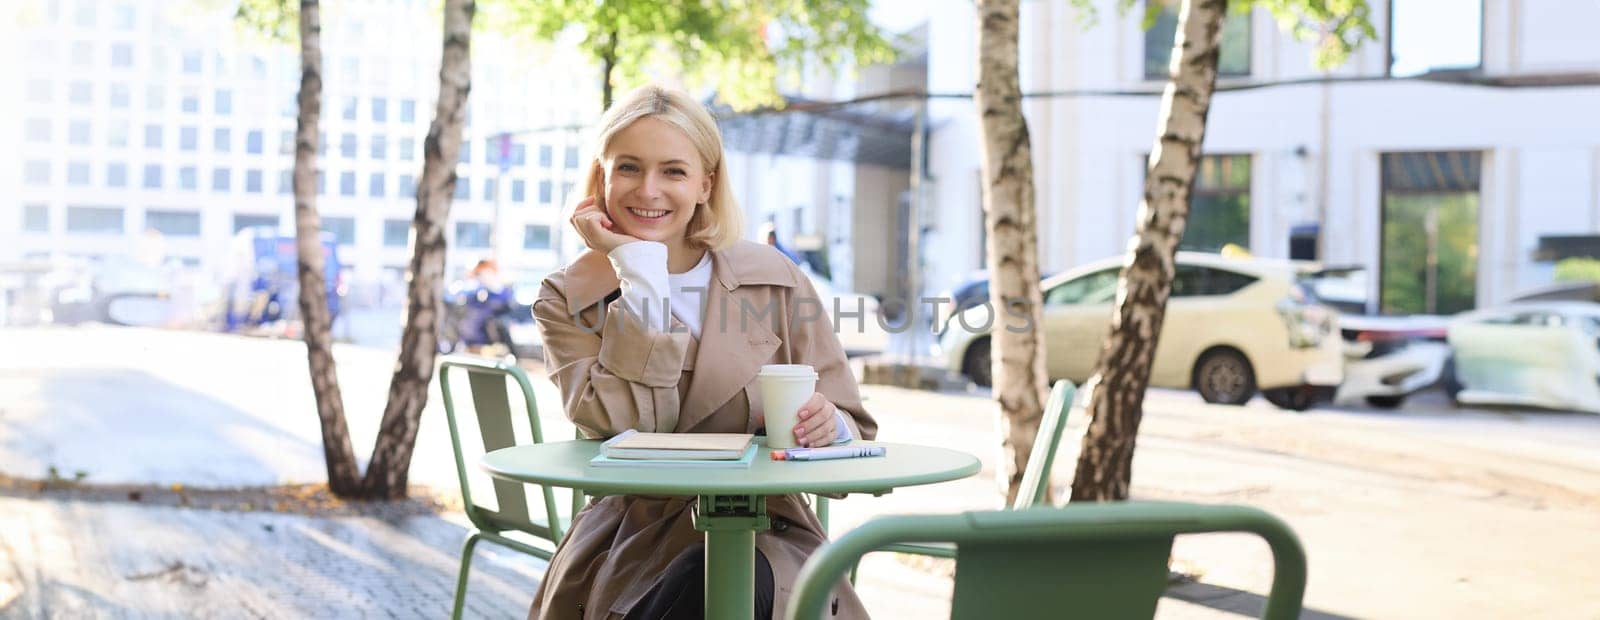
(615, 374)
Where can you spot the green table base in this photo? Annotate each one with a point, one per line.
(730, 523)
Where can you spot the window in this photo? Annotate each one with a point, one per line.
(1196, 281)
(347, 183)
(408, 110)
(173, 223)
(95, 220)
(545, 189)
(396, 233)
(343, 229)
(1234, 60)
(188, 138)
(190, 103)
(37, 130)
(188, 178)
(519, 190)
(116, 174)
(546, 156)
(375, 185)
(252, 181)
(191, 61)
(117, 133)
(1434, 36)
(572, 158)
(380, 110)
(1429, 248)
(39, 91)
(463, 188)
(286, 142)
(286, 182)
(221, 180)
(120, 97)
(1099, 287)
(122, 17)
(380, 148)
(348, 108)
(81, 93)
(241, 221)
(472, 234)
(122, 55)
(408, 149)
(566, 190)
(82, 54)
(291, 106)
(466, 152)
(152, 136)
(1219, 210)
(347, 145)
(223, 102)
(322, 183)
(36, 218)
(519, 154)
(154, 98)
(78, 173)
(78, 132)
(488, 190)
(252, 142)
(221, 139)
(536, 237)
(407, 187)
(152, 176)
(85, 14)
(352, 70)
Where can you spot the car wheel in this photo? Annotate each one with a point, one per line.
(1448, 380)
(1386, 402)
(976, 364)
(1297, 398)
(1224, 376)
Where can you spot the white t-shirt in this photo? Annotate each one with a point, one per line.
(647, 287)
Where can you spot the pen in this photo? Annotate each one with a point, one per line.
(823, 454)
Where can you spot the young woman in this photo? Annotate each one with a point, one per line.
(661, 325)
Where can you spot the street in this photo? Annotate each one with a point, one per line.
(1428, 511)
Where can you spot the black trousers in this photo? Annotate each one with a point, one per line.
(681, 593)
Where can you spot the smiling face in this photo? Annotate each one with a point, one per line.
(653, 180)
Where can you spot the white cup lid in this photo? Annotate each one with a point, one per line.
(783, 371)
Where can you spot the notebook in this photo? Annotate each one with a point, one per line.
(743, 462)
(632, 444)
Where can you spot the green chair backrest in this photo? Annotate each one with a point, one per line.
(1036, 477)
(1105, 560)
(487, 383)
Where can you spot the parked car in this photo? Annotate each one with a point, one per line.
(973, 291)
(118, 291)
(1234, 326)
(1390, 358)
(1539, 354)
(864, 336)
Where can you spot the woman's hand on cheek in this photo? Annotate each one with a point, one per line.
(596, 228)
(818, 425)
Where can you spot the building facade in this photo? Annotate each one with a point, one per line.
(135, 121)
(1438, 157)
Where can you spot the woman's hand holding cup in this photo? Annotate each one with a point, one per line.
(818, 425)
(596, 228)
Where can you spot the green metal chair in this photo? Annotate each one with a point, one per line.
(487, 381)
(1036, 476)
(1090, 561)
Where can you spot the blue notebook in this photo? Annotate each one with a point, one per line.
(743, 462)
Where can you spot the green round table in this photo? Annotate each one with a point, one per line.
(732, 506)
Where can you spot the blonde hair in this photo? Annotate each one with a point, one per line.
(716, 224)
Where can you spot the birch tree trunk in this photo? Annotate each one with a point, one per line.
(408, 390)
(1012, 253)
(344, 475)
(1115, 391)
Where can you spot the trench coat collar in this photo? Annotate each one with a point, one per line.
(732, 347)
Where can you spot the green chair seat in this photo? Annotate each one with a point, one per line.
(1084, 560)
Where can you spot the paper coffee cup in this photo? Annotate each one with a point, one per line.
(784, 389)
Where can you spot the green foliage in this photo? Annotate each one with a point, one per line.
(1337, 26)
(740, 47)
(1578, 270)
(273, 20)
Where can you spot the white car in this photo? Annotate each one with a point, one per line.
(858, 336)
(1539, 354)
(1390, 358)
(1233, 326)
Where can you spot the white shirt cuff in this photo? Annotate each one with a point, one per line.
(843, 433)
(642, 268)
